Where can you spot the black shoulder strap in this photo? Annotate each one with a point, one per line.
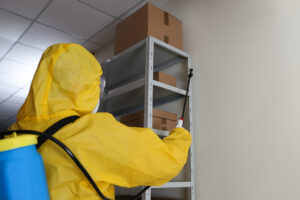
(56, 127)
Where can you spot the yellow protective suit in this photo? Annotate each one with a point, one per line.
(67, 83)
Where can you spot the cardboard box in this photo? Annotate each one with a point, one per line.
(148, 20)
(162, 120)
(164, 78)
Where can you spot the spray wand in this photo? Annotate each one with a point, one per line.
(180, 121)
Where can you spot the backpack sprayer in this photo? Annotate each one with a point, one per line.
(20, 152)
(21, 166)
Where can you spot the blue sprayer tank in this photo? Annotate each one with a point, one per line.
(22, 173)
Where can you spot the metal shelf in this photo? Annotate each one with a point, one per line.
(139, 84)
(123, 89)
(169, 88)
(174, 185)
(130, 87)
(134, 95)
(129, 65)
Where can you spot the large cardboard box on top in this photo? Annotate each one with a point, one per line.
(148, 21)
(162, 120)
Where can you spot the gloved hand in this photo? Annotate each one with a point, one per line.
(179, 123)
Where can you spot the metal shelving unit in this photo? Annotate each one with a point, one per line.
(129, 75)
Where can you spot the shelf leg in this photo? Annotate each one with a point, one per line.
(148, 106)
(192, 178)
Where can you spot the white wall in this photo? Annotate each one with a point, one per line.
(246, 96)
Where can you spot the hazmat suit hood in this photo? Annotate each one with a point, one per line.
(66, 83)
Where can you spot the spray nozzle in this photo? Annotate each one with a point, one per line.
(191, 73)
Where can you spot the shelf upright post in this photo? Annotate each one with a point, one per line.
(148, 106)
(192, 197)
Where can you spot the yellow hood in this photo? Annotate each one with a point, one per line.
(66, 83)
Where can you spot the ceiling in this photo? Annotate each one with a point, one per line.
(28, 27)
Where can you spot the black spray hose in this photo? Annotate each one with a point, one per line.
(66, 149)
(140, 193)
(71, 154)
(187, 91)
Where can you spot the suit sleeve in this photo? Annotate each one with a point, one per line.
(131, 157)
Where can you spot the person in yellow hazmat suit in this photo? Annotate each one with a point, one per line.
(66, 83)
